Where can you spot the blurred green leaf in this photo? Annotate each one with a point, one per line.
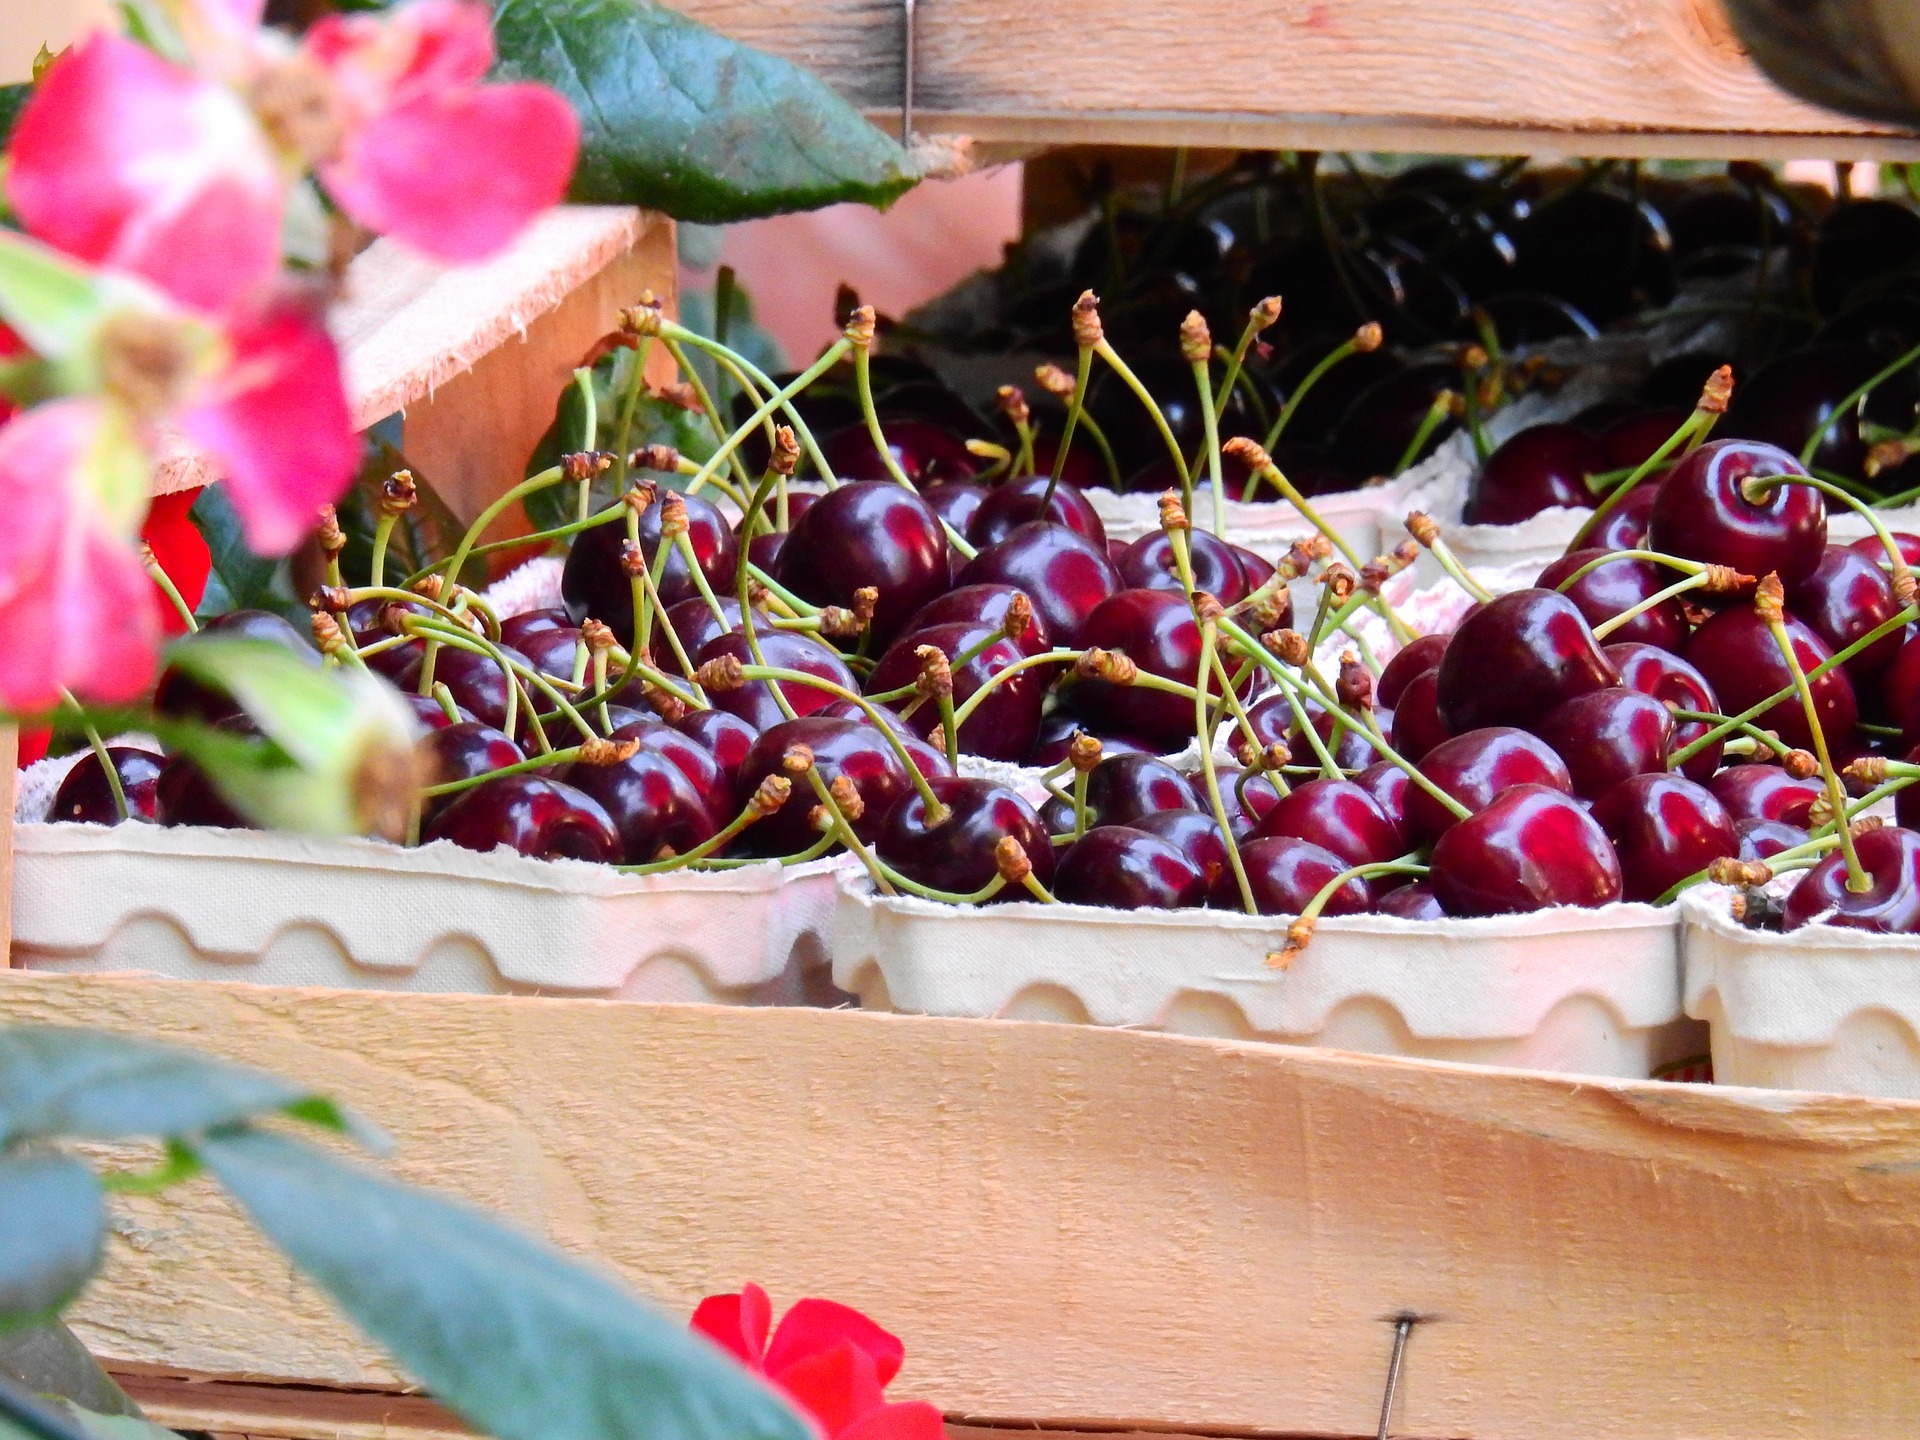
(678, 118)
(48, 1360)
(52, 1227)
(239, 579)
(521, 1342)
(115, 1427)
(13, 99)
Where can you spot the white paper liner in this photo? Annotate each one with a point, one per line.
(1585, 991)
(1819, 1008)
(282, 909)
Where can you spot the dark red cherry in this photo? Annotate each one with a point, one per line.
(1669, 679)
(1084, 470)
(1899, 691)
(1148, 565)
(695, 626)
(1531, 849)
(1065, 574)
(1416, 657)
(798, 502)
(1737, 654)
(870, 533)
(1285, 873)
(929, 761)
(840, 747)
(1764, 839)
(86, 798)
(651, 802)
(956, 502)
(1906, 802)
(788, 650)
(1056, 734)
(723, 735)
(1157, 632)
(551, 652)
(461, 752)
(1871, 547)
(1615, 586)
(1258, 570)
(1541, 467)
(1007, 721)
(929, 454)
(1122, 788)
(1790, 397)
(1387, 784)
(1846, 596)
(431, 714)
(1515, 658)
(1663, 828)
(985, 605)
(179, 697)
(1701, 513)
(1766, 792)
(515, 630)
(183, 795)
(1341, 817)
(1608, 736)
(1014, 503)
(1120, 868)
(1247, 798)
(1197, 834)
(1891, 903)
(1474, 769)
(713, 783)
(478, 684)
(594, 582)
(1631, 441)
(1625, 526)
(1411, 902)
(957, 855)
(543, 818)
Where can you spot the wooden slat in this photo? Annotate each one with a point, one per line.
(1592, 77)
(1072, 1225)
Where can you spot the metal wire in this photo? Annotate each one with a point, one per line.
(906, 80)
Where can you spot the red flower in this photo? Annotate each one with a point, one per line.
(180, 550)
(828, 1358)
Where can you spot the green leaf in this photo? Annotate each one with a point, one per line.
(53, 302)
(13, 99)
(95, 1085)
(238, 579)
(52, 1227)
(521, 1342)
(48, 1360)
(681, 119)
(116, 1427)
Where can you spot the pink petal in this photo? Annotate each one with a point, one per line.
(76, 607)
(813, 1326)
(737, 1323)
(457, 176)
(905, 1420)
(836, 1386)
(276, 421)
(122, 159)
(379, 61)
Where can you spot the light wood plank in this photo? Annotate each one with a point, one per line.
(1613, 77)
(1074, 1225)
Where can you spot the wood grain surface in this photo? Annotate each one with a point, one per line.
(1616, 77)
(1071, 1225)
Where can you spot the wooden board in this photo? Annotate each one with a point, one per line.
(1581, 77)
(1073, 1225)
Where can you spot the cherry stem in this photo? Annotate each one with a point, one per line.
(457, 561)
(1120, 367)
(1756, 485)
(1765, 739)
(519, 767)
(1406, 865)
(683, 543)
(1438, 411)
(1853, 401)
(1203, 381)
(1203, 734)
(434, 607)
(839, 692)
(863, 386)
(1025, 662)
(778, 399)
(1672, 562)
(724, 836)
(1458, 573)
(1640, 607)
(1237, 361)
(629, 404)
(107, 767)
(1231, 699)
(1857, 879)
(1080, 781)
(715, 423)
(1692, 430)
(159, 575)
(742, 574)
(448, 705)
(1331, 359)
(521, 542)
(516, 673)
(950, 729)
(382, 533)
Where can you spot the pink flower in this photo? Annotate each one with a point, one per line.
(76, 607)
(830, 1359)
(425, 152)
(124, 160)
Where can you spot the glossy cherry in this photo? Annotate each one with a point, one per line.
(1700, 512)
(594, 583)
(872, 533)
(1607, 736)
(1669, 679)
(1013, 503)
(1341, 817)
(1417, 726)
(840, 747)
(1411, 902)
(546, 819)
(986, 605)
(1531, 849)
(515, 630)
(1387, 783)
(1539, 468)
(461, 752)
(1663, 828)
(1120, 868)
(1416, 657)
(787, 650)
(1285, 873)
(1736, 652)
(552, 652)
(957, 854)
(956, 502)
(1195, 832)
(1790, 397)
(1156, 630)
(652, 803)
(695, 626)
(1766, 792)
(721, 734)
(1625, 526)
(1846, 596)
(1247, 799)
(183, 795)
(1516, 658)
(715, 784)
(1615, 586)
(1007, 721)
(1065, 574)
(1474, 769)
(1122, 788)
(478, 684)
(1891, 903)
(929, 454)
(431, 714)
(1763, 839)
(1148, 565)
(86, 798)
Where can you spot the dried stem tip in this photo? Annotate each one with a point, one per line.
(1054, 380)
(797, 760)
(1868, 770)
(721, 674)
(598, 635)
(839, 622)
(1249, 451)
(1800, 764)
(1290, 646)
(1725, 580)
(1339, 579)
(670, 706)
(633, 560)
(1299, 932)
(1266, 314)
(431, 587)
(641, 496)
(328, 532)
(1731, 870)
(1019, 617)
(784, 458)
(654, 457)
(859, 331)
(596, 751)
(1718, 390)
(398, 493)
(1113, 666)
(642, 319)
(847, 796)
(1013, 404)
(1083, 751)
(1206, 608)
(581, 465)
(865, 601)
(1770, 599)
(1173, 515)
(335, 598)
(1087, 330)
(1196, 340)
(1423, 528)
(1866, 824)
(1368, 338)
(327, 635)
(1354, 687)
(772, 792)
(1277, 756)
(673, 516)
(935, 679)
(1010, 860)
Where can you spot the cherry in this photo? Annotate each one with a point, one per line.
(1383, 419)
(1663, 828)
(695, 626)
(870, 533)
(1608, 736)
(1285, 873)
(1195, 832)
(1476, 768)
(461, 752)
(1387, 783)
(1539, 468)
(651, 802)
(1259, 570)
(1763, 839)
(1700, 512)
(1669, 679)
(1530, 849)
(1122, 788)
(1006, 723)
(714, 783)
(788, 650)
(477, 683)
(1416, 657)
(1766, 792)
(957, 855)
(724, 736)
(1737, 654)
(1632, 440)
(1247, 799)
(985, 605)
(543, 818)
(840, 748)
(515, 630)
(926, 759)
(1056, 734)
(431, 714)
(180, 697)
(1625, 526)
(1615, 587)
(798, 503)
(1121, 868)
(1515, 658)
(551, 652)
(1899, 691)
(929, 454)
(1014, 503)
(1870, 546)
(1411, 902)
(956, 502)
(1891, 903)
(1065, 574)
(85, 797)
(594, 583)
(1789, 398)
(1341, 817)
(183, 795)
(1417, 726)
(1156, 630)
(1846, 596)
(1148, 564)
(1084, 469)
(1604, 252)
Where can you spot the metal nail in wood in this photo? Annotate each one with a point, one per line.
(1402, 1328)
(906, 80)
